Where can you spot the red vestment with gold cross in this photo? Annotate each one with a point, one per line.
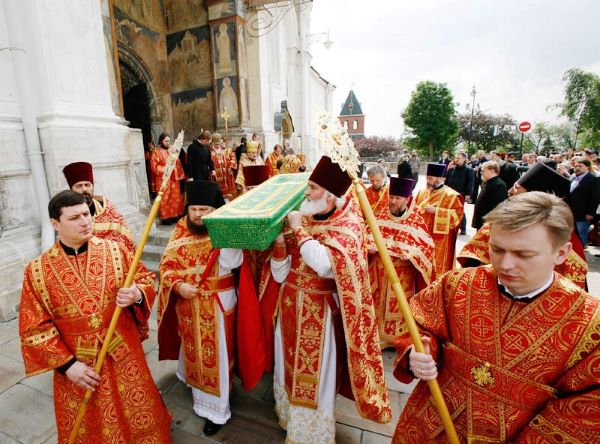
(110, 224)
(411, 247)
(303, 325)
(379, 200)
(66, 306)
(443, 224)
(171, 204)
(573, 268)
(510, 370)
(224, 162)
(192, 324)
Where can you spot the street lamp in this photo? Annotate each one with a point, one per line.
(473, 94)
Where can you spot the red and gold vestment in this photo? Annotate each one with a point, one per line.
(224, 162)
(411, 248)
(172, 200)
(573, 268)
(110, 224)
(379, 200)
(443, 224)
(510, 370)
(303, 325)
(271, 163)
(192, 324)
(66, 306)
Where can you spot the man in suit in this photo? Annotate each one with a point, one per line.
(493, 193)
(508, 170)
(585, 197)
(460, 179)
(199, 161)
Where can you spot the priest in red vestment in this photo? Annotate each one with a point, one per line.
(442, 208)
(326, 331)
(171, 205)
(411, 248)
(378, 192)
(538, 178)
(109, 223)
(198, 298)
(69, 295)
(273, 159)
(513, 346)
(224, 161)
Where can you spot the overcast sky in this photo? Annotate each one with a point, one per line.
(515, 52)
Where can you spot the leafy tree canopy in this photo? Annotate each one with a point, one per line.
(376, 146)
(430, 118)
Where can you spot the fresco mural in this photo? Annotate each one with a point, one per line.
(225, 8)
(185, 14)
(227, 100)
(189, 59)
(193, 111)
(146, 12)
(224, 49)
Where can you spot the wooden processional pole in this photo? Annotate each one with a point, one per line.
(341, 149)
(170, 165)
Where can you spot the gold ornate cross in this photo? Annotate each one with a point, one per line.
(225, 116)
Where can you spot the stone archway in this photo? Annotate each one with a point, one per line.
(139, 95)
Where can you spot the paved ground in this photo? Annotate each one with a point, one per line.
(27, 413)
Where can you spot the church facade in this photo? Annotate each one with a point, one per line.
(97, 80)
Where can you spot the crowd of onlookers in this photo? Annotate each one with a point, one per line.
(486, 179)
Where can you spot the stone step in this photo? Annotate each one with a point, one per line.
(151, 265)
(160, 235)
(153, 252)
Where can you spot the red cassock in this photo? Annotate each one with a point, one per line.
(110, 224)
(172, 199)
(379, 200)
(192, 324)
(66, 306)
(224, 162)
(443, 224)
(510, 371)
(411, 248)
(477, 252)
(354, 321)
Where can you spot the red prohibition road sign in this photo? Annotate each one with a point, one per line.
(524, 127)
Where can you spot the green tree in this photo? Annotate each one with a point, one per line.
(489, 132)
(431, 119)
(582, 103)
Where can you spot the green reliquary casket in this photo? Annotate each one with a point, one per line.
(253, 220)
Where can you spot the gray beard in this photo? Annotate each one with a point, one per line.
(312, 207)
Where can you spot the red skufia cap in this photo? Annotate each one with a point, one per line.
(78, 172)
(255, 175)
(330, 176)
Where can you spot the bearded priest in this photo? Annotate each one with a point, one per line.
(326, 331)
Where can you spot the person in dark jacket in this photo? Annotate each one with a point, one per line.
(493, 192)
(585, 197)
(460, 178)
(240, 149)
(508, 170)
(404, 169)
(199, 161)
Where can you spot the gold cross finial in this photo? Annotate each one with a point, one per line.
(225, 116)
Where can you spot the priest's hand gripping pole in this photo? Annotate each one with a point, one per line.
(168, 169)
(334, 138)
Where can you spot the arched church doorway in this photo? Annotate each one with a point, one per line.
(136, 102)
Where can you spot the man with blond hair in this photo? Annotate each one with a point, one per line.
(514, 346)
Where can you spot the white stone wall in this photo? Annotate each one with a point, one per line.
(56, 97)
(279, 69)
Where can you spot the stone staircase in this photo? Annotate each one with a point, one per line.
(157, 241)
